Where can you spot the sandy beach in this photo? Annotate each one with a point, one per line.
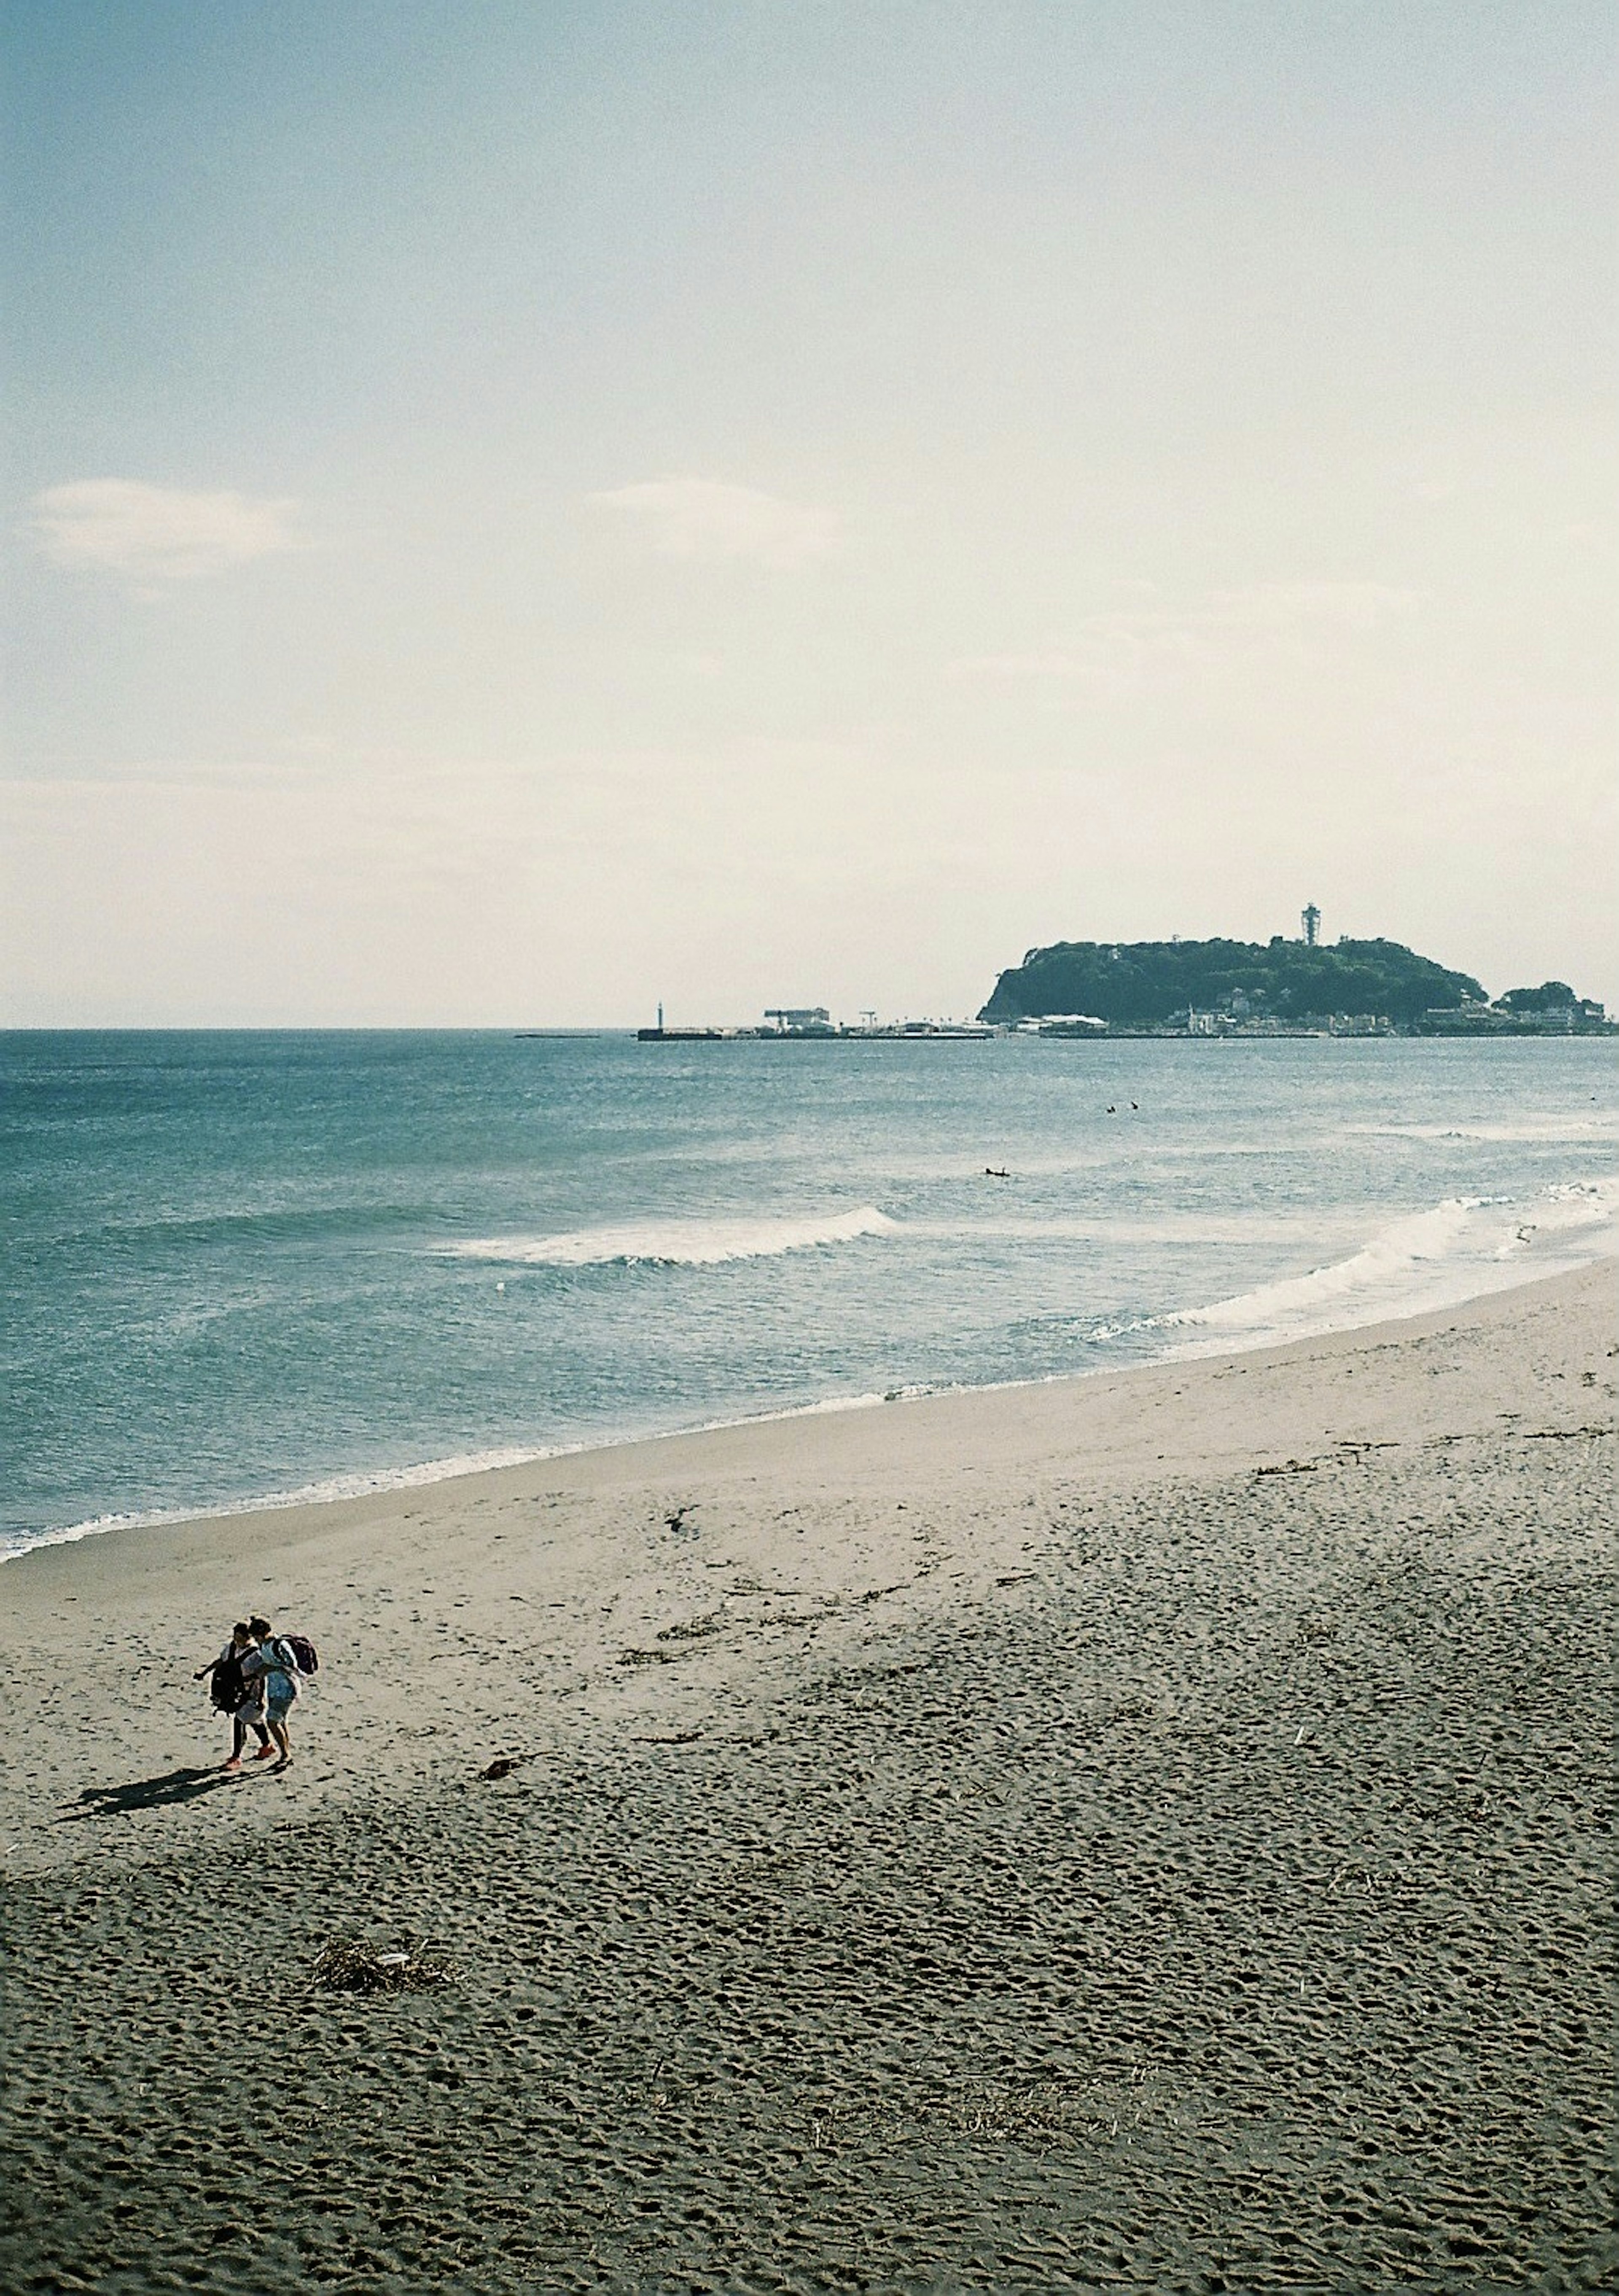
(1144, 1832)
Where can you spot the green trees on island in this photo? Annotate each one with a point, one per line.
(1144, 984)
(1551, 996)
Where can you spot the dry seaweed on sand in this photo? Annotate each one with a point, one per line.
(503, 1765)
(348, 1965)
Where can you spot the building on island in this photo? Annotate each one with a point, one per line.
(801, 1019)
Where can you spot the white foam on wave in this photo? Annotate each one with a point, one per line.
(1458, 1250)
(675, 1242)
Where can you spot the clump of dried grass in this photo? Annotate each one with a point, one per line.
(348, 1965)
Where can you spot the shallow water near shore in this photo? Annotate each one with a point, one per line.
(241, 1266)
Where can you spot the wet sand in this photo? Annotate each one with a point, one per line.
(1141, 1834)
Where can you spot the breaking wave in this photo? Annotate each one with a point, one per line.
(1462, 1248)
(674, 1242)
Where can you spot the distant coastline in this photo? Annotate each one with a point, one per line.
(1195, 1027)
(1205, 989)
(1275, 989)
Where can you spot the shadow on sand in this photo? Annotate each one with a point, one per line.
(146, 1793)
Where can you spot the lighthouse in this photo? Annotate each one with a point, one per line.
(1310, 920)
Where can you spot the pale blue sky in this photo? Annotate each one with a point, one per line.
(516, 511)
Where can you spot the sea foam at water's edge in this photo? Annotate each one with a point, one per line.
(332, 1488)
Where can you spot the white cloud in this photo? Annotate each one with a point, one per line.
(700, 518)
(157, 534)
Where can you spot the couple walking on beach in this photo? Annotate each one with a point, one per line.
(254, 1681)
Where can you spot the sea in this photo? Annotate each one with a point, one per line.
(255, 1268)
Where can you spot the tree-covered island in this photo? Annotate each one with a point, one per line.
(1220, 987)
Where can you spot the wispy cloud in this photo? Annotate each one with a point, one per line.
(702, 519)
(157, 534)
(1221, 628)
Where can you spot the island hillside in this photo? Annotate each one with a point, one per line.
(1154, 983)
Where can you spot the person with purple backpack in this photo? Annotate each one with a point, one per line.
(273, 1666)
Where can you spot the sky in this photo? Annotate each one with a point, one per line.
(520, 511)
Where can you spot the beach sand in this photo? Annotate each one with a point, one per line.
(1145, 1832)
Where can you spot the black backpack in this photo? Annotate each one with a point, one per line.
(229, 1684)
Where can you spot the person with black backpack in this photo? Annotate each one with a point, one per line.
(233, 1694)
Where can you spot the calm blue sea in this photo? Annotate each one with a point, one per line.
(245, 1266)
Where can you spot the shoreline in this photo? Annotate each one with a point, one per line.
(346, 1486)
(613, 1546)
(1147, 1832)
